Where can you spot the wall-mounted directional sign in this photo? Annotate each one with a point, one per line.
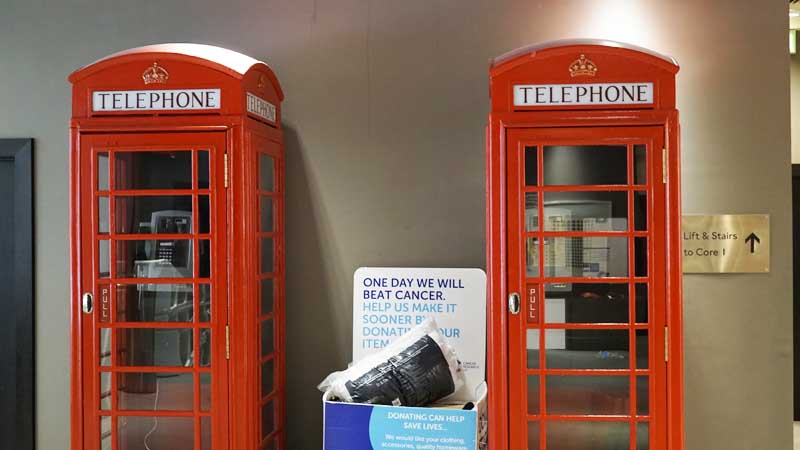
(726, 243)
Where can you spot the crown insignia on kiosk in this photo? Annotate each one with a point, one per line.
(582, 66)
(155, 75)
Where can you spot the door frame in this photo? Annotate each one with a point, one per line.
(496, 250)
(83, 277)
(19, 152)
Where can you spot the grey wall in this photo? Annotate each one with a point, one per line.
(386, 103)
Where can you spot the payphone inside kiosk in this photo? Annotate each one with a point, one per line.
(583, 248)
(177, 252)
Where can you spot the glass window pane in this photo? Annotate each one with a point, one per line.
(595, 395)
(531, 158)
(267, 256)
(154, 303)
(168, 258)
(102, 171)
(531, 211)
(267, 295)
(643, 395)
(586, 257)
(642, 435)
(641, 303)
(267, 337)
(640, 164)
(532, 257)
(153, 214)
(533, 394)
(155, 347)
(586, 303)
(267, 419)
(105, 259)
(589, 435)
(150, 391)
(640, 210)
(203, 214)
(587, 349)
(153, 170)
(585, 164)
(105, 391)
(205, 303)
(202, 169)
(267, 377)
(642, 349)
(102, 215)
(586, 211)
(105, 346)
(205, 258)
(205, 391)
(640, 256)
(159, 433)
(266, 173)
(532, 339)
(205, 433)
(105, 433)
(266, 214)
(533, 436)
(205, 347)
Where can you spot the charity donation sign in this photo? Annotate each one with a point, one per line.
(726, 243)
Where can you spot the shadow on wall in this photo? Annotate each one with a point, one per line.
(311, 344)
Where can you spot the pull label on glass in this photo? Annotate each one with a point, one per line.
(533, 303)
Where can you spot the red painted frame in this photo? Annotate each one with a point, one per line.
(231, 130)
(548, 64)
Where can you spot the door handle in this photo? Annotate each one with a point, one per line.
(513, 303)
(87, 303)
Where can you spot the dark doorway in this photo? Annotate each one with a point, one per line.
(16, 295)
(796, 283)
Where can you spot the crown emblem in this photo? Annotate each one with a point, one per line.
(582, 67)
(155, 75)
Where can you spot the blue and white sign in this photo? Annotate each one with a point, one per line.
(389, 301)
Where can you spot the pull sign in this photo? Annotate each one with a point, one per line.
(583, 94)
(157, 100)
(105, 303)
(533, 303)
(259, 107)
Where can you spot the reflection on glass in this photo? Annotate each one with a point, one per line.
(266, 171)
(102, 215)
(532, 346)
(203, 214)
(532, 257)
(167, 258)
(595, 395)
(205, 303)
(586, 211)
(640, 210)
(267, 255)
(153, 170)
(267, 337)
(642, 349)
(585, 164)
(205, 433)
(640, 256)
(102, 171)
(641, 302)
(105, 346)
(267, 295)
(531, 173)
(205, 391)
(639, 164)
(533, 436)
(154, 303)
(202, 169)
(150, 391)
(267, 419)
(266, 214)
(155, 433)
(205, 347)
(586, 257)
(586, 303)
(105, 433)
(642, 435)
(267, 377)
(160, 347)
(533, 394)
(643, 395)
(105, 259)
(590, 435)
(587, 349)
(153, 214)
(531, 211)
(105, 391)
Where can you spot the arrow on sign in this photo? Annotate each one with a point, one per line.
(752, 239)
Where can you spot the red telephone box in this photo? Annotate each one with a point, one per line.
(583, 249)
(177, 252)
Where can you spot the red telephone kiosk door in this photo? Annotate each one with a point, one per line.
(583, 250)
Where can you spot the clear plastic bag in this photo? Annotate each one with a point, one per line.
(417, 369)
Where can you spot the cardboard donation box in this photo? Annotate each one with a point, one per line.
(387, 303)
